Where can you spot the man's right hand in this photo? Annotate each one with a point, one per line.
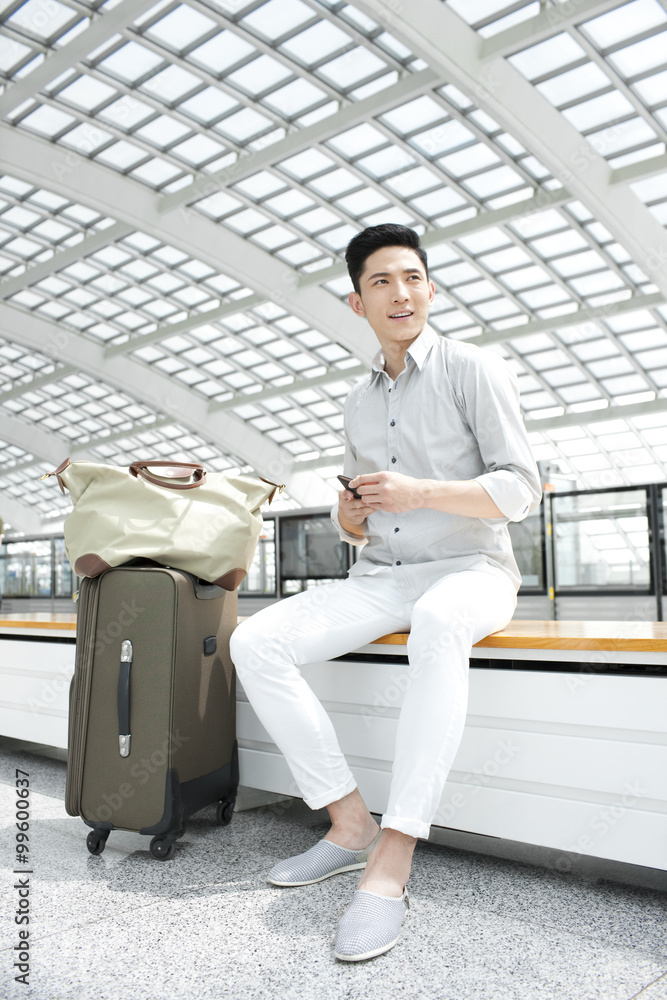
(352, 512)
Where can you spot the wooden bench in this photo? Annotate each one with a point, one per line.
(564, 745)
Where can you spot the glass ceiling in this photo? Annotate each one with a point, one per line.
(242, 115)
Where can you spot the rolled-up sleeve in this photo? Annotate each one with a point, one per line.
(350, 469)
(490, 398)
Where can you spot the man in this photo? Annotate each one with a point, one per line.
(439, 455)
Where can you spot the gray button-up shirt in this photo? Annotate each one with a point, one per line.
(452, 414)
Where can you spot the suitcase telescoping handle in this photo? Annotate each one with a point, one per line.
(124, 698)
(172, 470)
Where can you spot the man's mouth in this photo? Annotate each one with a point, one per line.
(401, 315)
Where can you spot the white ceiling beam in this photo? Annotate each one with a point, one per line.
(298, 385)
(35, 440)
(72, 176)
(63, 258)
(549, 22)
(587, 417)
(542, 201)
(101, 28)
(162, 394)
(412, 85)
(194, 320)
(580, 316)
(639, 171)
(434, 32)
(20, 516)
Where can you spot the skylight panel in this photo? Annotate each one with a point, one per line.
(156, 172)
(625, 135)
(492, 182)
(180, 28)
(11, 54)
(335, 182)
(468, 160)
(162, 131)
(442, 138)
(305, 164)
(387, 161)
(357, 140)
(47, 121)
(198, 149)
(243, 125)
(316, 43)
(278, 17)
(86, 138)
(289, 203)
(42, 20)
(641, 56)
(131, 62)
(599, 110)
(171, 84)
(126, 113)
(412, 181)
(351, 68)
(208, 104)
(247, 221)
(295, 98)
(414, 115)
(221, 52)
(437, 202)
(259, 75)
(362, 202)
(122, 155)
(653, 89)
(624, 22)
(545, 57)
(299, 253)
(316, 220)
(86, 93)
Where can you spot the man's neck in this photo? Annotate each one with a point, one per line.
(394, 356)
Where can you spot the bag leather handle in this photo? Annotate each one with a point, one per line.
(176, 469)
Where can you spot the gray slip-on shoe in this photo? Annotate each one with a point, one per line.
(370, 926)
(320, 861)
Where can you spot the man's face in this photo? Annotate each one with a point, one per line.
(395, 295)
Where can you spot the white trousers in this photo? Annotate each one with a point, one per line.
(336, 618)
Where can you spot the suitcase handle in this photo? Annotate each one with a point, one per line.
(178, 470)
(126, 653)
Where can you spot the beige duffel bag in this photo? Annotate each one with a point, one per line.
(207, 525)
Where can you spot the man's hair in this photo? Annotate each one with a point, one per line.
(374, 238)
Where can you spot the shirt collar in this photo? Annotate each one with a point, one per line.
(419, 350)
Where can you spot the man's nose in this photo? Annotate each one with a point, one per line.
(400, 292)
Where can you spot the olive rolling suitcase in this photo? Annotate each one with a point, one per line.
(152, 705)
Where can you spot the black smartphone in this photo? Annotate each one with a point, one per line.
(345, 481)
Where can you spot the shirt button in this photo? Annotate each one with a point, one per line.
(398, 562)
(392, 423)
(393, 458)
(396, 529)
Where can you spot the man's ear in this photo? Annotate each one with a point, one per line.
(354, 298)
(431, 293)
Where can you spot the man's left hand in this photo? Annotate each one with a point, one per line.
(389, 491)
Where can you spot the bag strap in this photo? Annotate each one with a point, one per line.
(61, 468)
(276, 486)
(178, 470)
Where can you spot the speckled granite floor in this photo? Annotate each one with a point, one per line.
(123, 926)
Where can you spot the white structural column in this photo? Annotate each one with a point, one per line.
(159, 392)
(455, 51)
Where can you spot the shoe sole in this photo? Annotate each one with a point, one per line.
(312, 881)
(368, 954)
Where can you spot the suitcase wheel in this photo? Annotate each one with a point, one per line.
(224, 812)
(96, 841)
(162, 849)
